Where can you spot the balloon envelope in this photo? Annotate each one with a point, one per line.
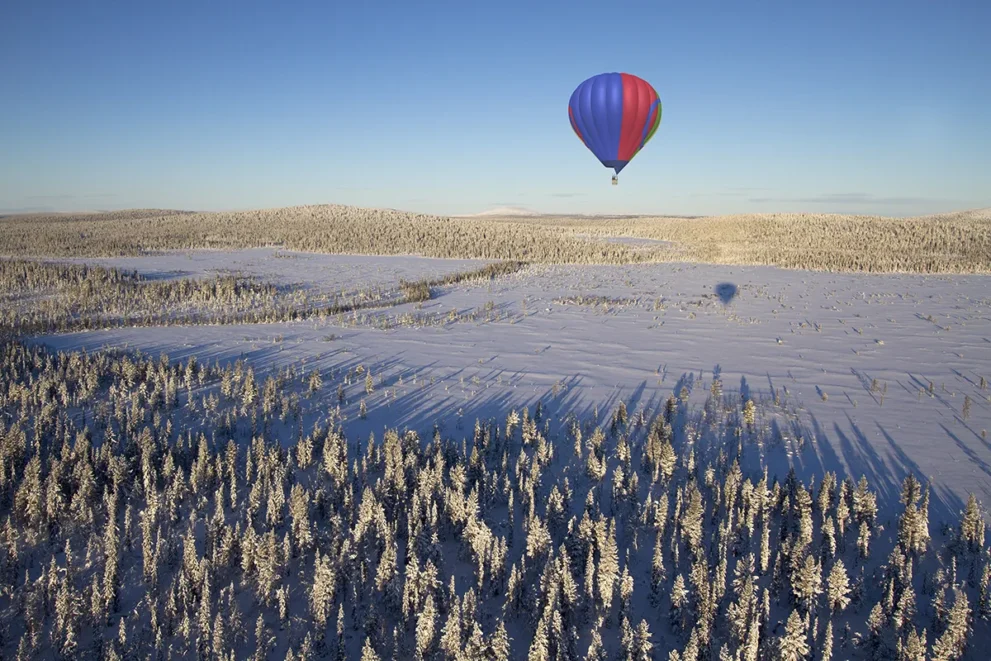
(615, 115)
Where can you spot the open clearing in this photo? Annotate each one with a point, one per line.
(638, 333)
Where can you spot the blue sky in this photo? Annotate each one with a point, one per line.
(457, 107)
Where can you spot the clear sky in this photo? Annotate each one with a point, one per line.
(458, 107)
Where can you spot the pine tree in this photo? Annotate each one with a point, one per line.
(204, 619)
(922, 519)
(425, 628)
(475, 647)
(863, 541)
(744, 587)
(299, 504)
(642, 644)
(595, 650)
(368, 652)
(984, 593)
(952, 644)
(911, 529)
(625, 588)
(765, 544)
(29, 498)
(864, 502)
(340, 651)
(827, 548)
(450, 641)
(752, 644)
(657, 571)
(803, 505)
(824, 500)
(608, 569)
(807, 583)
(691, 519)
(826, 651)
(626, 639)
(971, 533)
(540, 646)
(249, 393)
(838, 587)
(262, 641)
(881, 635)
(499, 649)
(691, 651)
(749, 414)
(843, 510)
(914, 648)
(679, 602)
(792, 646)
(315, 382)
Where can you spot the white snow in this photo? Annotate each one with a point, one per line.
(807, 332)
(504, 211)
(284, 267)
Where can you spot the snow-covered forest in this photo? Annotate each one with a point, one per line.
(148, 512)
(268, 454)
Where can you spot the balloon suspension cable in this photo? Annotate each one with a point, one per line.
(615, 179)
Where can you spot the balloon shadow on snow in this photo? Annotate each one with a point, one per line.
(726, 291)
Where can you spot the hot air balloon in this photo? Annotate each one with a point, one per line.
(615, 115)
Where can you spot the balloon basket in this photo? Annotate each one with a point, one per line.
(615, 180)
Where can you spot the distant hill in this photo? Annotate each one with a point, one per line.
(967, 215)
(95, 214)
(523, 212)
(952, 242)
(503, 211)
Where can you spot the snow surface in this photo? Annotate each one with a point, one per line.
(818, 339)
(504, 211)
(283, 267)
